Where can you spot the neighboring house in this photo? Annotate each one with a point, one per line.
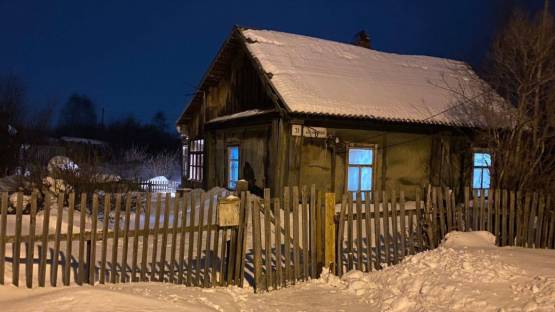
(281, 109)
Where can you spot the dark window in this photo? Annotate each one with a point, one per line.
(233, 166)
(196, 160)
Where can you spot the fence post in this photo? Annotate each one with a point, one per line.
(329, 232)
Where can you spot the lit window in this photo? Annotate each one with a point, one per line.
(359, 170)
(233, 167)
(481, 170)
(196, 160)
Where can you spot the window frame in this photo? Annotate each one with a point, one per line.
(196, 160)
(228, 163)
(473, 167)
(373, 148)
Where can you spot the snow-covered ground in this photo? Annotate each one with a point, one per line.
(467, 273)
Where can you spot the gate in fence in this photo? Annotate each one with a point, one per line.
(277, 241)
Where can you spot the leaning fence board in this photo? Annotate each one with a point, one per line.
(524, 221)
(489, 208)
(186, 201)
(512, 219)
(287, 234)
(146, 227)
(215, 250)
(448, 209)
(239, 241)
(69, 239)
(340, 235)
(199, 240)
(402, 224)
(350, 231)
(411, 239)
(267, 239)
(117, 212)
(304, 231)
(419, 220)
(368, 231)
(136, 226)
(30, 252)
(171, 262)
(277, 243)
(125, 238)
(17, 242)
(394, 227)
(163, 246)
(312, 236)
(189, 279)
(504, 218)
(243, 250)
(155, 238)
(377, 227)
(256, 232)
(386, 234)
(81, 255)
(92, 254)
(104, 246)
(56, 255)
(223, 264)
(296, 247)
(209, 223)
(359, 230)
(3, 223)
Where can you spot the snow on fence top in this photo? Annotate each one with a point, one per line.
(318, 76)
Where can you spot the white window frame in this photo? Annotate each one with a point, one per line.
(372, 165)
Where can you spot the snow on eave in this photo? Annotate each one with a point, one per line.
(243, 114)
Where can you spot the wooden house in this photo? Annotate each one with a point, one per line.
(280, 109)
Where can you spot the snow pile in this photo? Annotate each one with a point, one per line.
(319, 76)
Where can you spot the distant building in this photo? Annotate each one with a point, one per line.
(281, 109)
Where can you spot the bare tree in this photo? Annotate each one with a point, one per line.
(516, 107)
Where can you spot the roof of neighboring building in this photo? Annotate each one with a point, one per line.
(323, 77)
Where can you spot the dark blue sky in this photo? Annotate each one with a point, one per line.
(137, 57)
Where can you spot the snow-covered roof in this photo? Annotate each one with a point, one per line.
(317, 76)
(82, 140)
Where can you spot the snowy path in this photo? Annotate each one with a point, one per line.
(468, 273)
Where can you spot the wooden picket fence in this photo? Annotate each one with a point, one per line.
(279, 241)
(192, 250)
(381, 230)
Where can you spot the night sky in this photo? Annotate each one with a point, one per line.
(137, 57)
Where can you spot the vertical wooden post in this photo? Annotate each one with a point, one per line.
(394, 227)
(82, 230)
(44, 240)
(287, 234)
(341, 234)
(3, 222)
(350, 231)
(190, 246)
(136, 228)
(420, 219)
(182, 232)
(329, 232)
(304, 230)
(359, 230)
(17, 242)
(56, 257)
(146, 234)
(512, 219)
(215, 250)
(312, 237)
(385, 207)
(156, 231)
(30, 253)
(69, 240)
(277, 243)
(92, 254)
(257, 247)
(403, 230)
(368, 232)
(377, 229)
(532, 221)
(267, 239)
(124, 252)
(104, 246)
(539, 223)
(208, 255)
(164, 245)
(114, 275)
(441, 206)
(296, 240)
(467, 208)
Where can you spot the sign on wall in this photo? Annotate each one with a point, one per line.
(309, 132)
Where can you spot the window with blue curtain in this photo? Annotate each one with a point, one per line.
(233, 167)
(359, 169)
(481, 163)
